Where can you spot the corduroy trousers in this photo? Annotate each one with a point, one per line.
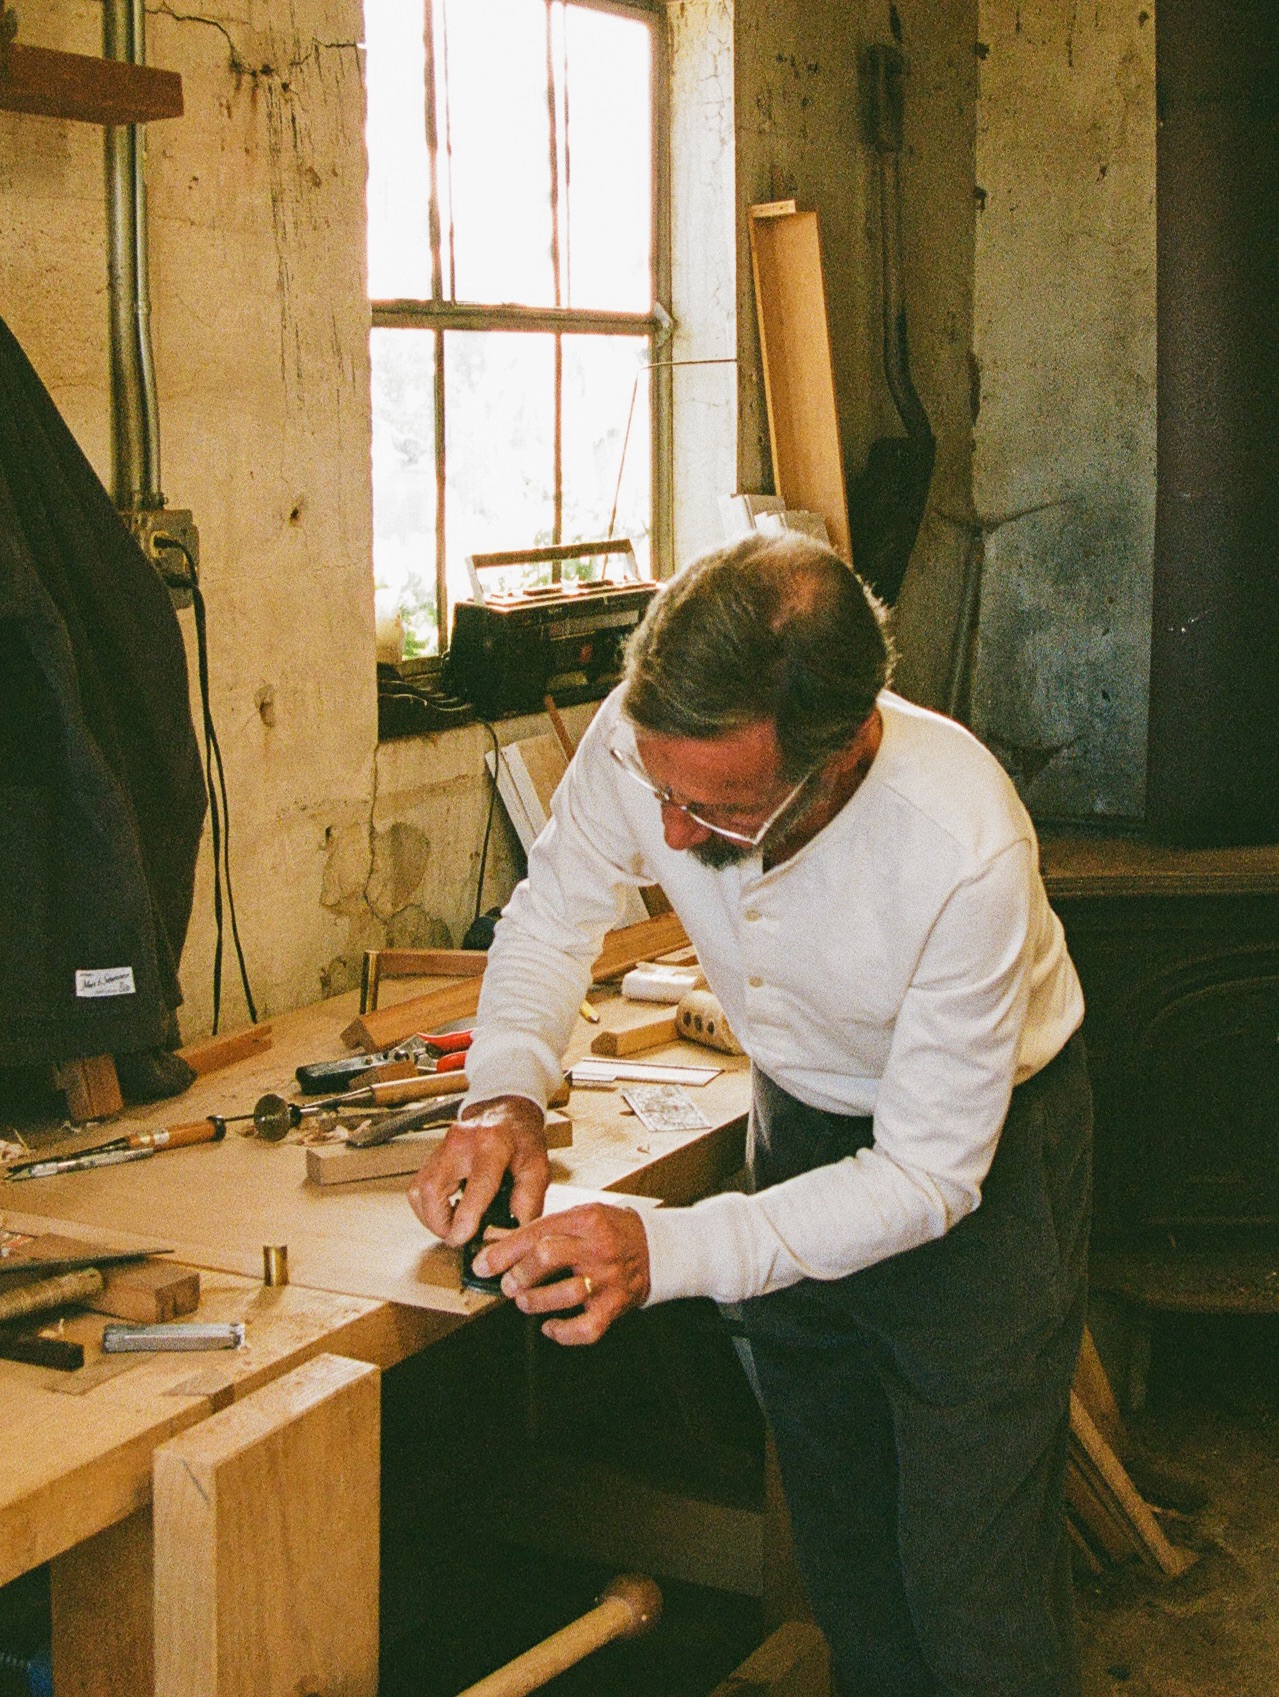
(921, 1411)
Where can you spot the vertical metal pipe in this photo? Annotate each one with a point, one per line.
(136, 451)
(150, 423)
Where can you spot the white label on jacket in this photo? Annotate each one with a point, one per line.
(105, 981)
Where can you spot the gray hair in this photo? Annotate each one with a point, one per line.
(769, 628)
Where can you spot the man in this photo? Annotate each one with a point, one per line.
(862, 886)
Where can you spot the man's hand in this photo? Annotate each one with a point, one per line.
(596, 1257)
(492, 1138)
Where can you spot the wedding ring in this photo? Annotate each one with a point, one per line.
(590, 1285)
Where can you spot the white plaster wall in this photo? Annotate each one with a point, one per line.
(1064, 475)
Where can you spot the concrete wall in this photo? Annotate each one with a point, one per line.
(1064, 474)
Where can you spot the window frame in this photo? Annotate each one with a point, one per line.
(440, 315)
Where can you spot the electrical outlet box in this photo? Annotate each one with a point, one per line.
(169, 539)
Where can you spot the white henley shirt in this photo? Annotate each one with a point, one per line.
(904, 964)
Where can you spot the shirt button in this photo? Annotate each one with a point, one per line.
(752, 913)
(756, 983)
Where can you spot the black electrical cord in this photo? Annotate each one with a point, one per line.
(219, 825)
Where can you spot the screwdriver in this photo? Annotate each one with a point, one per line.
(273, 1118)
(211, 1130)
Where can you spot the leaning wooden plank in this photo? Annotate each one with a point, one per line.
(630, 944)
(799, 378)
(211, 1054)
(1107, 1475)
(52, 84)
(622, 950)
(1092, 1387)
(382, 1029)
(266, 1542)
(1094, 1518)
(432, 963)
(793, 1662)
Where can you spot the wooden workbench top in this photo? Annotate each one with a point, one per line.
(77, 1446)
(217, 1204)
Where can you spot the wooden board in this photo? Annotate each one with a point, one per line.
(623, 949)
(337, 1163)
(794, 1661)
(799, 378)
(387, 1026)
(1104, 1477)
(634, 1039)
(92, 1088)
(211, 1054)
(266, 1542)
(51, 84)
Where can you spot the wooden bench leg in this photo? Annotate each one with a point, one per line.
(266, 1542)
(102, 1613)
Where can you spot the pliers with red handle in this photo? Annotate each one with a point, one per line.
(444, 1052)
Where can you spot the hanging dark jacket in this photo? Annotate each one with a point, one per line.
(102, 797)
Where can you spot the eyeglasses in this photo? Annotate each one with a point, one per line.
(749, 839)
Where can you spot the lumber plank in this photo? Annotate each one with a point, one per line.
(636, 1038)
(799, 378)
(630, 944)
(794, 1661)
(266, 1541)
(1106, 1475)
(623, 949)
(149, 1292)
(1093, 1389)
(338, 1163)
(211, 1054)
(384, 1027)
(53, 84)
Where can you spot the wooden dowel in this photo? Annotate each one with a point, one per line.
(629, 1607)
(45, 1295)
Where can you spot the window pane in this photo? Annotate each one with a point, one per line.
(495, 174)
(600, 375)
(399, 180)
(499, 421)
(404, 481)
(608, 213)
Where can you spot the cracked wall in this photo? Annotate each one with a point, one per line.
(1065, 439)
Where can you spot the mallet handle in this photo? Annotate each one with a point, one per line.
(629, 1607)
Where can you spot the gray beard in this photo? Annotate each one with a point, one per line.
(718, 852)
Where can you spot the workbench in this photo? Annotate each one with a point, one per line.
(367, 1281)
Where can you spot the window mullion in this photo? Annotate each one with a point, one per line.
(437, 290)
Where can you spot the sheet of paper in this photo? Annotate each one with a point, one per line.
(665, 1107)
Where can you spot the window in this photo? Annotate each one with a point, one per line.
(515, 262)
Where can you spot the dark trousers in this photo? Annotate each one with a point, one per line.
(921, 1411)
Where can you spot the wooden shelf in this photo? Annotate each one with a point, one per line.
(1084, 866)
(93, 91)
